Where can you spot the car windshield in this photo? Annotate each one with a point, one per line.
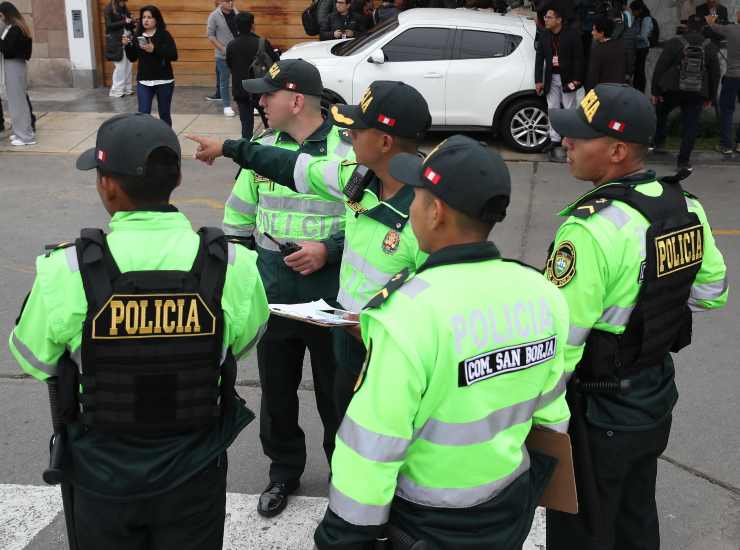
(351, 47)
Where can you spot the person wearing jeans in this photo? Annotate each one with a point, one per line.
(730, 92)
(222, 30)
(155, 50)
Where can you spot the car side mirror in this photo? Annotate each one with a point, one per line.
(377, 57)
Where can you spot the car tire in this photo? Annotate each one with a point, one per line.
(524, 126)
(329, 98)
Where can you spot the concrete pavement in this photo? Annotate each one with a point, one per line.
(45, 200)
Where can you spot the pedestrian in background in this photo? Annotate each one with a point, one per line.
(240, 55)
(16, 45)
(217, 94)
(644, 22)
(608, 60)
(222, 30)
(559, 68)
(342, 22)
(669, 87)
(155, 50)
(117, 22)
(730, 92)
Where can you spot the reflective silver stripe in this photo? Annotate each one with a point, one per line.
(372, 445)
(231, 252)
(414, 287)
(241, 206)
(561, 427)
(577, 335)
(691, 203)
(697, 307)
(264, 242)
(709, 291)
(28, 355)
(485, 429)
(300, 172)
(347, 302)
(343, 149)
(245, 230)
(373, 274)
(355, 512)
(71, 253)
(306, 206)
(253, 342)
(331, 179)
(615, 215)
(617, 316)
(458, 497)
(76, 356)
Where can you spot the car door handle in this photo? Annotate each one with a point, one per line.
(433, 75)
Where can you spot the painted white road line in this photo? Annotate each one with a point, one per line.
(27, 509)
(24, 511)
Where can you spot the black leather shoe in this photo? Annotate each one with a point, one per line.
(274, 498)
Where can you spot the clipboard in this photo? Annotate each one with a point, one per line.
(317, 313)
(560, 493)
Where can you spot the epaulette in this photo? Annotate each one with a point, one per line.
(590, 207)
(266, 132)
(345, 136)
(690, 195)
(390, 287)
(347, 162)
(49, 248)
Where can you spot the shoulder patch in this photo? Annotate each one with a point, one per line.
(561, 266)
(390, 287)
(345, 136)
(589, 208)
(49, 248)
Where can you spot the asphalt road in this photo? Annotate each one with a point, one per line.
(45, 200)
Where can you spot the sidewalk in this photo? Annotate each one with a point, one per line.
(68, 119)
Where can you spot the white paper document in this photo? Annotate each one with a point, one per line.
(317, 313)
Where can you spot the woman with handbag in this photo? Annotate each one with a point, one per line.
(15, 49)
(118, 22)
(155, 50)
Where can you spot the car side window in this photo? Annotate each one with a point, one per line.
(484, 44)
(420, 44)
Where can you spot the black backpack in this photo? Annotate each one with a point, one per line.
(654, 36)
(693, 66)
(310, 19)
(262, 61)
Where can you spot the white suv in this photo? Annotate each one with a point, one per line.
(475, 69)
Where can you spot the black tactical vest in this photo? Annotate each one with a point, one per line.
(661, 320)
(152, 341)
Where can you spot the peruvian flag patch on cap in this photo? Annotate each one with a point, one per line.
(388, 121)
(432, 176)
(102, 155)
(616, 125)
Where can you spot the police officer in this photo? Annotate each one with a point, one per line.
(390, 119)
(462, 380)
(633, 259)
(153, 317)
(273, 215)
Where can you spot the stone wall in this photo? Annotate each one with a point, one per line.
(50, 64)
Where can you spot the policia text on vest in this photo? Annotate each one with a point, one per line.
(140, 330)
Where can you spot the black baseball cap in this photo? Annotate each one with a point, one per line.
(124, 143)
(614, 110)
(294, 75)
(389, 106)
(463, 173)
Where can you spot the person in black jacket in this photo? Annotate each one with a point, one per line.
(342, 23)
(117, 22)
(559, 67)
(240, 54)
(667, 93)
(155, 50)
(15, 47)
(608, 61)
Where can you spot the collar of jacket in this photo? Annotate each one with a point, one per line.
(646, 176)
(462, 254)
